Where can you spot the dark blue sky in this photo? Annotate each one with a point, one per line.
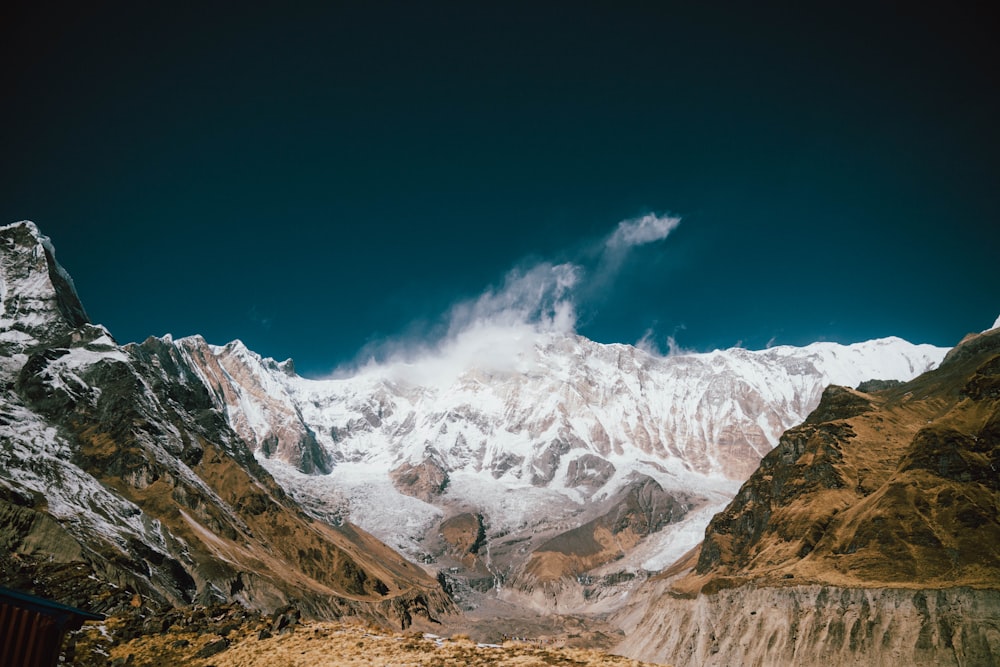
(316, 179)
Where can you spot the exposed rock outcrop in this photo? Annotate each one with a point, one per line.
(426, 480)
(641, 509)
(871, 534)
(37, 298)
(256, 407)
(118, 467)
(819, 626)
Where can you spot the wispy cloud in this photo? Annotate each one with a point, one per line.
(674, 348)
(540, 295)
(640, 231)
(499, 329)
(546, 295)
(614, 251)
(649, 343)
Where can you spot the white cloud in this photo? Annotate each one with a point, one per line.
(674, 348)
(614, 252)
(500, 330)
(486, 347)
(540, 296)
(648, 343)
(640, 231)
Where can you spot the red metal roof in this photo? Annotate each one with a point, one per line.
(32, 628)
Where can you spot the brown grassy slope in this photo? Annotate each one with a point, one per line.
(274, 550)
(894, 488)
(327, 644)
(233, 533)
(644, 507)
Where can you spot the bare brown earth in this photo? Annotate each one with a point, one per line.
(899, 487)
(465, 535)
(643, 508)
(870, 535)
(260, 643)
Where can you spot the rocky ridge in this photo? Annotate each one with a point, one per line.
(871, 533)
(117, 468)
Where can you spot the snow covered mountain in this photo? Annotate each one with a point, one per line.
(122, 484)
(542, 467)
(533, 441)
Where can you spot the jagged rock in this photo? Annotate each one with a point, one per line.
(465, 532)
(870, 535)
(589, 471)
(426, 480)
(869, 386)
(643, 508)
(284, 619)
(38, 302)
(123, 481)
(214, 647)
(838, 403)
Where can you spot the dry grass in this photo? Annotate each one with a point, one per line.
(333, 644)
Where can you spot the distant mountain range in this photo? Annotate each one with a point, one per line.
(552, 473)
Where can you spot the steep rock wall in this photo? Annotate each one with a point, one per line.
(818, 625)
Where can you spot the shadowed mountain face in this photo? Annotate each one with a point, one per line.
(119, 476)
(898, 487)
(888, 500)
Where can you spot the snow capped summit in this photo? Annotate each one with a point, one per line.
(555, 458)
(38, 301)
(251, 392)
(711, 413)
(117, 460)
(536, 433)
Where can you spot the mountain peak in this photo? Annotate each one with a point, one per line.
(38, 301)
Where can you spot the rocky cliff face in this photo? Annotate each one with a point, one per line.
(818, 625)
(116, 467)
(883, 498)
(257, 406)
(37, 297)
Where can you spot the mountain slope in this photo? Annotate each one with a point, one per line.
(544, 469)
(879, 501)
(119, 476)
(539, 435)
